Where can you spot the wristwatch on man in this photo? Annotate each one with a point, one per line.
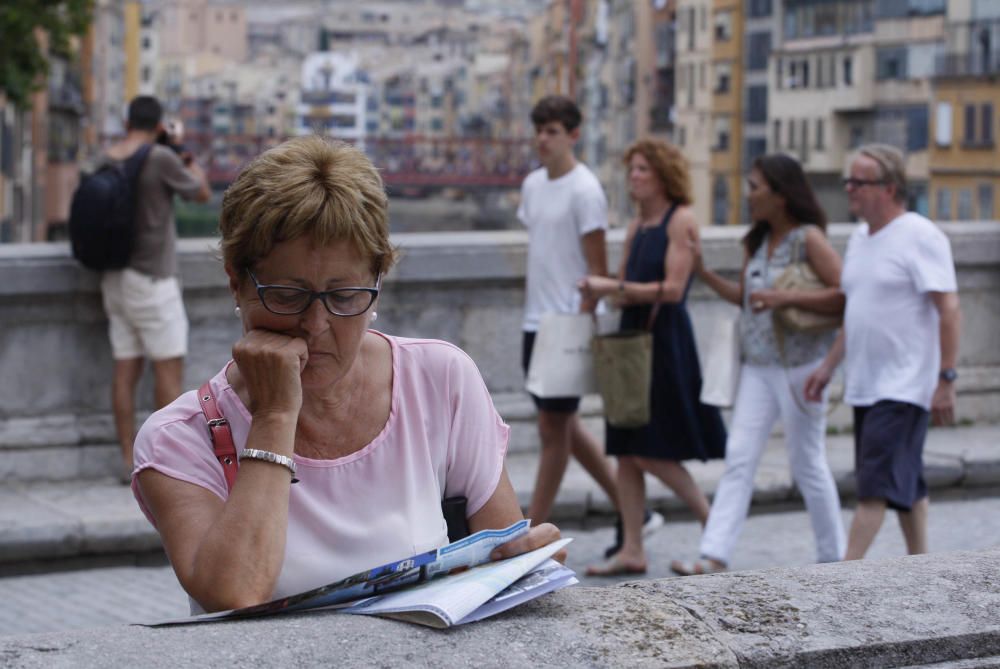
(948, 375)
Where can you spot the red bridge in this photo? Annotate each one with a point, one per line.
(410, 165)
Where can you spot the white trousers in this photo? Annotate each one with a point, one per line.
(763, 396)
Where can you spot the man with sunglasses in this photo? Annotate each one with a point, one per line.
(900, 341)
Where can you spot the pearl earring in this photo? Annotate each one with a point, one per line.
(237, 311)
(374, 316)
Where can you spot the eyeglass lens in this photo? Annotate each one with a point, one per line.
(342, 301)
(290, 300)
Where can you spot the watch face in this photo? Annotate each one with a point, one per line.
(949, 374)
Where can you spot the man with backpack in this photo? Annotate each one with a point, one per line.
(146, 317)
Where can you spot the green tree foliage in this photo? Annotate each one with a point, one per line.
(22, 61)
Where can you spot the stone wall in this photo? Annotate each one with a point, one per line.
(466, 288)
(940, 610)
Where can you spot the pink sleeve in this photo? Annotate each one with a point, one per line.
(178, 447)
(477, 442)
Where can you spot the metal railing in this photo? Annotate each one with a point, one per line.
(969, 64)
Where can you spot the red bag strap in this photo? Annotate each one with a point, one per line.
(222, 436)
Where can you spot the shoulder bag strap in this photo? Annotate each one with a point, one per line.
(656, 307)
(222, 436)
(800, 254)
(659, 287)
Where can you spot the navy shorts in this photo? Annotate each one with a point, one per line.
(553, 404)
(889, 452)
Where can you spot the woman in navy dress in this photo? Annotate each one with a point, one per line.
(657, 270)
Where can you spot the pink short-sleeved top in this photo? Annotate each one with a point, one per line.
(443, 438)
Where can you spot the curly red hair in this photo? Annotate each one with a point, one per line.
(669, 165)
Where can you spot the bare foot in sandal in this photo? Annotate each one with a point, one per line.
(697, 567)
(617, 565)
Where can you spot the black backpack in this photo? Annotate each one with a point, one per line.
(102, 214)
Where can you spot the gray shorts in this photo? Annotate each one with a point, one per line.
(889, 452)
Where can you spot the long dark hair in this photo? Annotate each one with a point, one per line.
(785, 177)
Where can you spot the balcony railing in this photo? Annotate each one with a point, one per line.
(328, 97)
(976, 63)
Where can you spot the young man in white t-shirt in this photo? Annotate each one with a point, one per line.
(564, 208)
(900, 337)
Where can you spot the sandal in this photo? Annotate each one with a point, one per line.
(696, 567)
(614, 566)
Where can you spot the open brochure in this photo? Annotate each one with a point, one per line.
(468, 586)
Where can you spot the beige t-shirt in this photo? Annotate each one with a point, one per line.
(155, 245)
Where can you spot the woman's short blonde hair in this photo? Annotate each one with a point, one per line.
(669, 165)
(307, 186)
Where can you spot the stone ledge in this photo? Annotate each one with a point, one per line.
(941, 609)
(435, 257)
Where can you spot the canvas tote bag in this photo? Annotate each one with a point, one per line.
(623, 365)
(722, 366)
(562, 364)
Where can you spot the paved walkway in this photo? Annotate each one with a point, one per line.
(44, 521)
(92, 598)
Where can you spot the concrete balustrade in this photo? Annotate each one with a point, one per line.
(466, 288)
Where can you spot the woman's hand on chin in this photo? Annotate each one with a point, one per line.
(539, 536)
(271, 365)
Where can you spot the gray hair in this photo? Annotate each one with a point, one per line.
(892, 163)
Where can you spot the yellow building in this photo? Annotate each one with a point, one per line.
(727, 107)
(964, 155)
(133, 54)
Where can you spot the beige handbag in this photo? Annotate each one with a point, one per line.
(799, 275)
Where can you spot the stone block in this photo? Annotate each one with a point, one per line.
(939, 610)
(29, 530)
(56, 463)
(26, 432)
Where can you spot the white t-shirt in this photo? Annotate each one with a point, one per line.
(557, 212)
(893, 346)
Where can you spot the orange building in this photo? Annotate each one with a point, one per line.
(965, 108)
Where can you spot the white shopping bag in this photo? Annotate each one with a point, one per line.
(722, 365)
(562, 364)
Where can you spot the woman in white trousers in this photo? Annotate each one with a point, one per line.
(788, 227)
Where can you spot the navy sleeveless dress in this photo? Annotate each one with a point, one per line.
(681, 427)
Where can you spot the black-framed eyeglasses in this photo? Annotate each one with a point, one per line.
(291, 300)
(851, 182)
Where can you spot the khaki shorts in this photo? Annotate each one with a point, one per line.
(146, 316)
